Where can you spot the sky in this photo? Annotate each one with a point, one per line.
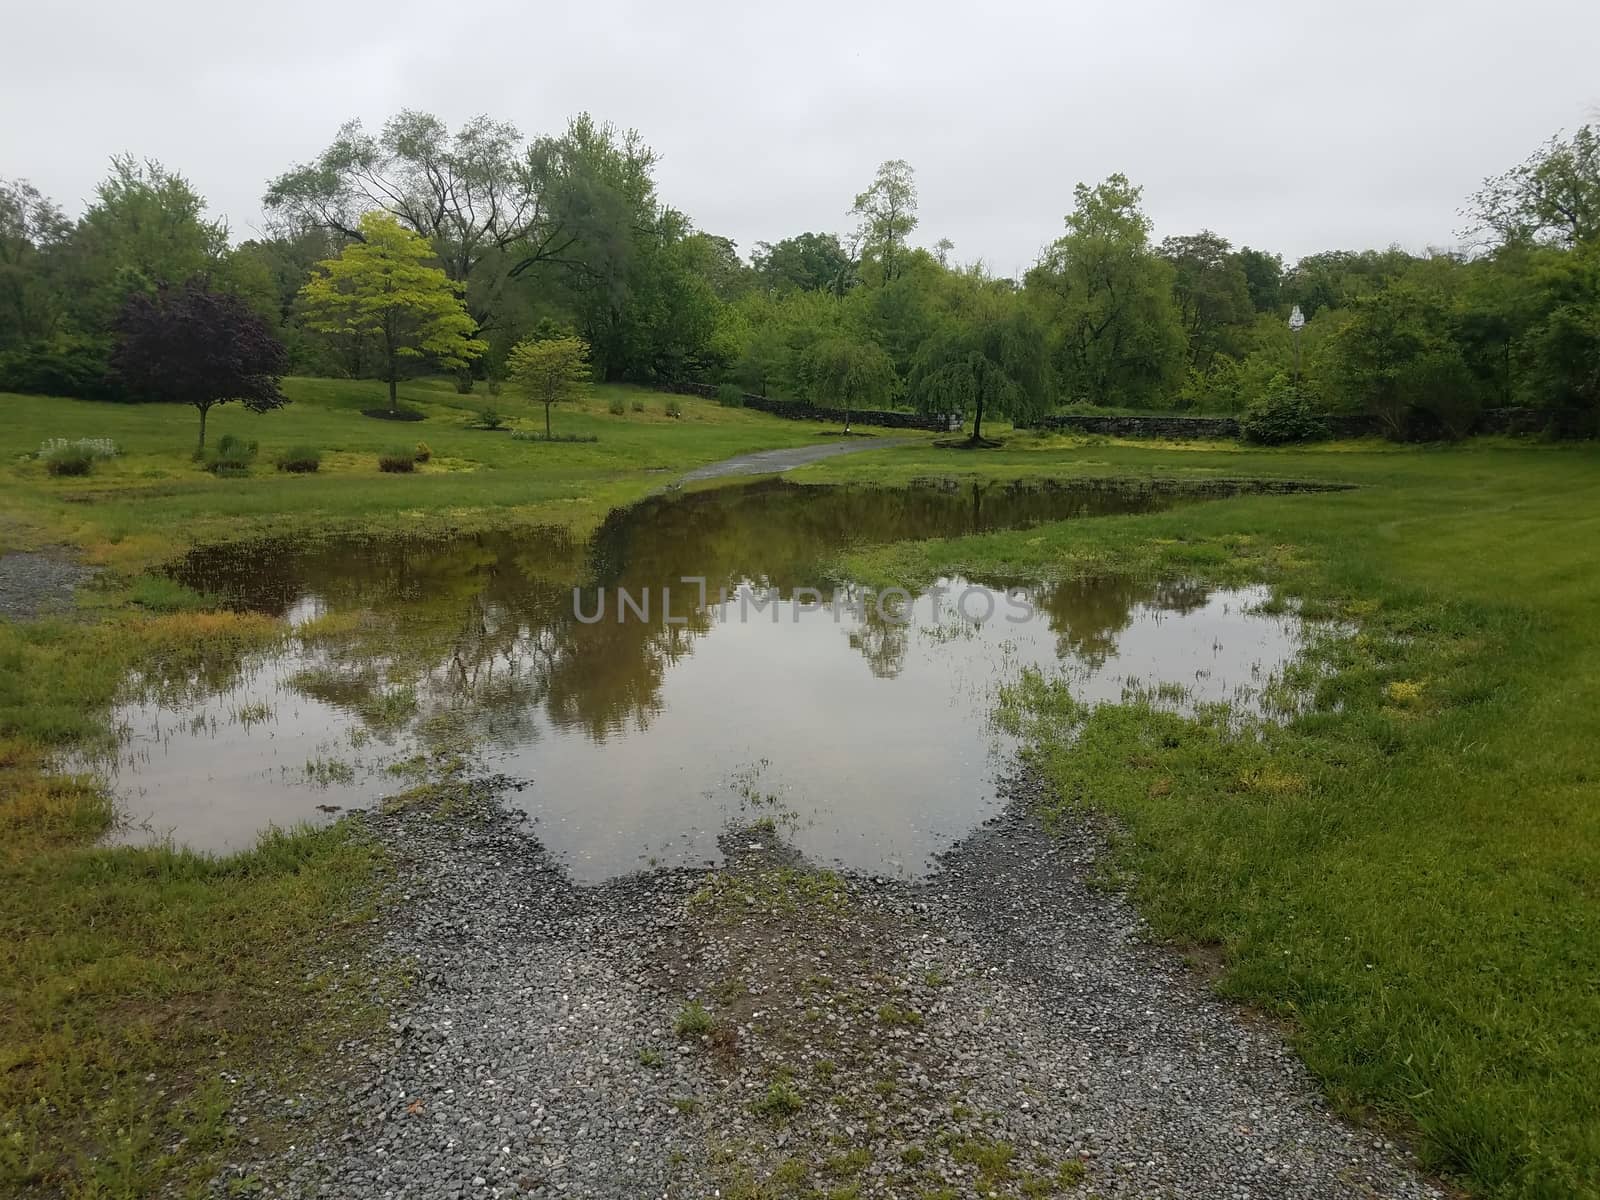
(1293, 127)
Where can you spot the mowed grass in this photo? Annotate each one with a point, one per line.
(1410, 870)
(136, 985)
(152, 500)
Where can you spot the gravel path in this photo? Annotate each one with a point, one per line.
(771, 462)
(33, 583)
(771, 1031)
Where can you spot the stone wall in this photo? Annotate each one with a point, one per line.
(804, 410)
(1520, 421)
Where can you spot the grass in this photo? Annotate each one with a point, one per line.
(1409, 871)
(135, 984)
(152, 501)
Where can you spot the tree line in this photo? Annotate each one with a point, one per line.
(565, 237)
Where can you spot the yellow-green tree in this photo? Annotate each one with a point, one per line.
(385, 288)
(550, 371)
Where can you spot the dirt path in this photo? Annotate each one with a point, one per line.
(33, 583)
(770, 462)
(770, 1031)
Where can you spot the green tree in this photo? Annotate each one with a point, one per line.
(998, 365)
(146, 227)
(1553, 196)
(1212, 293)
(1263, 277)
(33, 231)
(385, 288)
(1563, 347)
(550, 371)
(1108, 302)
(886, 213)
(851, 374)
(807, 262)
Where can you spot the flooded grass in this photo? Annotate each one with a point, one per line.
(595, 670)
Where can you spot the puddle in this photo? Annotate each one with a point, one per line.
(858, 724)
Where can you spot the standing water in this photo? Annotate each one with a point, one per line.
(642, 715)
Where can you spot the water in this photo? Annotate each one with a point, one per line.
(860, 728)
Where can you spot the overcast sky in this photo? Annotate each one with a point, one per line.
(1296, 127)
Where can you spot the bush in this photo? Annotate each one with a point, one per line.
(488, 418)
(617, 407)
(299, 460)
(63, 457)
(674, 409)
(397, 460)
(1286, 416)
(231, 457)
(423, 453)
(730, 395)
(638, 406)
(67, 365)
(70, 460)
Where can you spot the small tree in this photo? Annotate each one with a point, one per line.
(852, 373)
(1000, 364)
(200, 347)
(386, 289)
(550, 371)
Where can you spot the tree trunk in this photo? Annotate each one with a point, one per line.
(547, 421)
(977, 421)
(201, 449)
(394, 405)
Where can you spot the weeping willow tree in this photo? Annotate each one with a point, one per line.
(998, 365)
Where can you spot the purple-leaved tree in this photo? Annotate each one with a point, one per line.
(199, 346)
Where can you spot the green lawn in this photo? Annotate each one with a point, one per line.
(1410, 871)
(152, 500)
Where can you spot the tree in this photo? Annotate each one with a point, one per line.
(886, 214)
(201, 347)
(1263, 277)
(147, 227)
(383, 287)
(550, 371)
(492, 210)
(1000, 364)
(1212, 292)
(1108, 301)
(851, 373)
(807, 262)
(1553, 196)
(1564, 346)
(32, 231)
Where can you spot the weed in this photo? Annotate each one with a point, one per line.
(674, 408)
(652, 1058)
(616, 407)
(780, 1101)
(693, 1021)
(422, 454)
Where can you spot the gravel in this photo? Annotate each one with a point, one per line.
(32, 583)
(770, 462)
(999, 1029)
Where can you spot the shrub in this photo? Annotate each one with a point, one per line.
(397, 460)
(69, 460)
(66, 365)
(674, 409)
(617, 407)
(638, 406)
(488, 418)
(423, 453)
(231, 457)
(63, 457)
(730, 395)
(299, 460)
(1286, 416)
